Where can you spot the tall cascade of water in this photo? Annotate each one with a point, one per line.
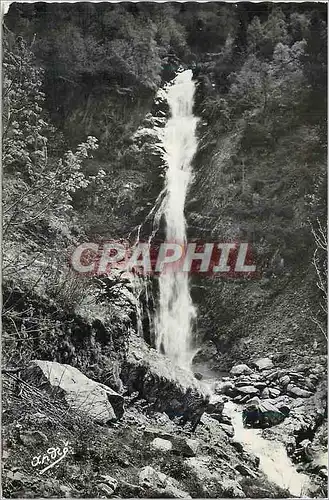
(173, 322)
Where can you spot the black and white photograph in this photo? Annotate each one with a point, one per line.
(164, 249)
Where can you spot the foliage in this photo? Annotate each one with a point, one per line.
(263, 37)
(38, 188)
(268, 105)
(24, 129)
(263, 151)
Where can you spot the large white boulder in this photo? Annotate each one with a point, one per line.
(79, 392)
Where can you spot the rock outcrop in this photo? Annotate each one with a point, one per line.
(306, 416)
(158, 381)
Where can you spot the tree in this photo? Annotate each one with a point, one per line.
(24, 139)
(38, 188)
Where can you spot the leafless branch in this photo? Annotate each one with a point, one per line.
(319, 262)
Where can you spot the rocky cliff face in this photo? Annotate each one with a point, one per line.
(250, 185)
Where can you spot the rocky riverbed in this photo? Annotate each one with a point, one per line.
(121, 445)
(294, 404)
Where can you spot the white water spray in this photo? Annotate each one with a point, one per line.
(176, 311)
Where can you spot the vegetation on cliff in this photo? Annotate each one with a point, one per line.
(262, 168)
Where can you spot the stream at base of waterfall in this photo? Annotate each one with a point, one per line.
(273, 458)
(175, 313)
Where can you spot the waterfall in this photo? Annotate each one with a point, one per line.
(173, 322)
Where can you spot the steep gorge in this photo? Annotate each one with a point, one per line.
(257, 177)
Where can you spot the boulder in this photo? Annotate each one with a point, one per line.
(274, 393)
(244, 399)
(271, 413)
(245, 471)
(180, 445)
(160, 485)
(265, 393)
(226, 419)
(241, 369)
(297, 392)
(285, 380)
(283, 408)
(261, 414)
(308, 384)
(227, 388)
(248, 389)
(272, 375)
(215, 416)
(110, 481)
(296, 375)
(32, 438)
(159, 382)
(253, 401)
(215, 409)
(151, 433)
(17, 476)
(76, 390)
(263, 363)
(150, 478)
(161, 444)
(260, 385)
(185, 446)
(238, 446)
(242, 381)
(105, 489)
